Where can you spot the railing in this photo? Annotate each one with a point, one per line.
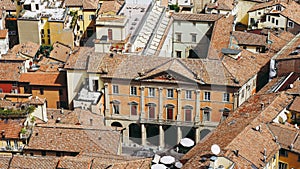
(11, 149)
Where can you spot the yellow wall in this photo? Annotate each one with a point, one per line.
(291, 160)
(58, 33)
(243, 8)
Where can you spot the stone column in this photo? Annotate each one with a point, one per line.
(197, 115)
(160, 104)
(197, 135)
(142, 103)
(126, 135)
(144, 134)
(179, 134)
(161, 137)
(179, 105)
(235, 100)
(106, 99)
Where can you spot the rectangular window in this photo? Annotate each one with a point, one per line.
(290, 24)
(188, 94)
(276, 22)
(206, 115)
(41, 91)
(49, 42)
(225, 97)
(282, 165)
(169, 113)
(43, 153)
(194, 38)
(151, 112)
(298, 158)
(133, 90)
(268, 18)
(178, 37)
(273, 20)
(95, 85)
(178, 54)
(206, 96)
(116, 108)
(170, 93)
(115, 89)
(43, 41)
(42, 31)
(110, 34)
(188, 114)
(48, 31)
(243, 94)
(80, 17)
(91, 17)
(151, 92)
(133, 110)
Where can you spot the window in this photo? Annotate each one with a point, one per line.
(178, 23)
(278, 7)
(268, 18)
(151, 92)
(95, 85)
(42, 31)
(259, 13)
(282, 165)
(188, 94)
(48, 31)
(178, 37)
(276, 22)
(206, 96)
(133, 108)
(115, 89)
(43, 153)
(80, 17)
(116, 107)
(194, 37)
(151, 110)
(49, 42)
(41, 91)
(110, 34)
(188, 113)
(133, 90)
(226, 97)
(91, 17)
(178, 54)
(273, 20)
(206, 115)
(243, 94)
(170, 93)
(290, 24)
(169, 111)
(283, 152)
(43, 41)
(58, 154)
(225, 113)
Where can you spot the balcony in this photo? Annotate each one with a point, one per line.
(12, 148)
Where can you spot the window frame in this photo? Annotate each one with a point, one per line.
(151, 92)
(207, 96)
(115, 106)
(132, 105)
(151, 106)
(178, 37)
(186, 109)
(194, 37)
(204, 112)
(115, 89)
(170, 93)
(133, 91)
(188, 94)
(226, 97)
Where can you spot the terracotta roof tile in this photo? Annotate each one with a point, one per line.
(268, 4)
(4, 162)
(220, 37)
(73, 3)
(75, 162)
(5, 103)
(246, 66)
(110, 6)
(3, 33)
(11, 128)
(8, 5)
(296, 88)
(9, 71)
(79, 58)
(12, 57)
(279, 41)
(286, 51)
(237, 133)
(29, 49)
(144, 163)
(60, 52)
(45, 79)
(286, 135)
(69, 138)
(196, 17)
(295, 106)
(90, 4)
(292, 12)
(31, 162)
(245, 38)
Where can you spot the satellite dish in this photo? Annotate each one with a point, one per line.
(215, 149)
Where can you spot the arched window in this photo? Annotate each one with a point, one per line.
(206, 113)
(188, 112)
(133, 108)
(151, 110)
(170, 111)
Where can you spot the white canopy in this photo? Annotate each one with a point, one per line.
(186, 142)
(167, 160)
(158, 166)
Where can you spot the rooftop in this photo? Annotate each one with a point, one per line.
(44, 78)
(10, 71)
(60, 52)
(11, 128)
(245, 38)
(28, 49)
(196, 17)
(268, 4)
(110, 6)
(290, 51)
(3, 33)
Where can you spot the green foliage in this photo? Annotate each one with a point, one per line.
(23, 131)
(16, 112)
(174, 7)
(74, 19)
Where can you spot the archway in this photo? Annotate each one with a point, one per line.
(116, 124)
(135, 133)
(152, 131)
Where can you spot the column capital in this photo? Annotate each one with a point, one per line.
(178, 90)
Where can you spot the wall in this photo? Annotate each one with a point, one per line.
(4, 45)
(198, 28)
(284, 67)
(30, 31)
(248, 91)
(58, 33)
(291, 160)
(243, 8)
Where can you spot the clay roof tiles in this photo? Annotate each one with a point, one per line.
(245, 38)
(28, 48)
(44, 79)
(9, 71)
(31, 162)
(110, 6)
(237, 133)
(196, 17)
(11, 127)
(60, 52)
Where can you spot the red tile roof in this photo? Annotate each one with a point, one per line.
(237, 133)
(79, 58)
(268, 4)
(44, 78)
(196, 17)
(110, 6)
(29, 49)
(31, 162)
(285, 52)
(69, 138)
(245, 38)
(11, 128)
(295, 106)
(292, 12)
(9, 71)
(60, 52)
